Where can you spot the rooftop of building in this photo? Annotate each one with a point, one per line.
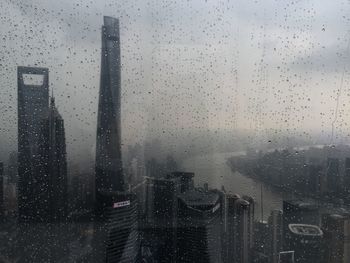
(302, 204)
(197, 198)
(161, 179)
(305, 230)
(53, 112)
(338, 216)
(107, 19)
(32, 70)
(182, 174)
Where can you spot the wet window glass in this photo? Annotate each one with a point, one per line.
(175, 131)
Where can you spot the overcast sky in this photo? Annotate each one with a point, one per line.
(269, 66)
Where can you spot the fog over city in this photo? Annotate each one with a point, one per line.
(221, 73)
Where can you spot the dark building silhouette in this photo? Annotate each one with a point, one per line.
(261, 238)
(109, 171)
(186, 179)
(299, 216)
(300, 212)
(81, 192)
(115, 231)
(306, 242)
(52, 180)
(275, 224)
(336, 229)
(199, 227)
(10, 194)
(33, 102)
(333, 175)
(162, 212)
(1, 190)
(12, 168)
(116, 236)
(286, 257)
(316, 172)
(162, 217)
(239, 229)
(250, 222)
(231, 227)
(347, 175)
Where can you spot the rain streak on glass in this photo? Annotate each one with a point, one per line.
(175, 131)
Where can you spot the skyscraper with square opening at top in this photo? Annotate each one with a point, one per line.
(33, 104)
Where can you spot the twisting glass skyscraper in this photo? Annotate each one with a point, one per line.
(116, 235)
(109, 171)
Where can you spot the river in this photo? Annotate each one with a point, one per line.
(213, 169)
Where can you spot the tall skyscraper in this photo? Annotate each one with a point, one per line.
(306, 241)
(315, 172)
(346, 184)
(11, 186)
(109, 170)
(241, 227)
(262, 239)
(33, 99)
(1, 190)
(299, 212)
(199, 227)
(336, 229)
(162, 218)
(186, 178)
(333, 175)
(250, 222)
(12, 168)
(231, 227)
(52, 199)
(240, 217)
(116, 230)
(275, 235)
(116, 222)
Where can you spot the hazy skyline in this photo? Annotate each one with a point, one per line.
(190, 66)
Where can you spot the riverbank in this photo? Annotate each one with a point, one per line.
(214, 170)
(327, 204)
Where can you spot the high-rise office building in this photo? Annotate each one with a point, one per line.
(231, 227)
(240, 228)
(81, 192)
(186, 179)
(12, 168)
(199, 227)
(261, 248)
(116, 220)
(116, 236)
(33, 100)
(241, 250)
(336, 229)
(275, 225)
(333, 175)
(299, 212)
(162, 218)
(286, 257)
(251, 214)
(1, 190)
(109, 170)
(51, 201)
(161, 195)
(315, 172)
(306, 241)
(347, 176)
(10, 189)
